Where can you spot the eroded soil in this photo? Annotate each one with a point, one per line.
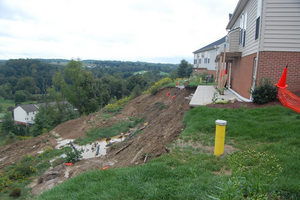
(162, 126)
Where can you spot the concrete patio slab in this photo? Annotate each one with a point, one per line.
(204, 95)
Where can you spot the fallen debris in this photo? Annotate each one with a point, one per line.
(124, 148)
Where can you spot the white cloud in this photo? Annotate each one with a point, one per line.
(144, 30)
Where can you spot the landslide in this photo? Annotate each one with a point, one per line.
(163, 124)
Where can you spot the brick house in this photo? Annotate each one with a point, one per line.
(263, 37)
(204, 57)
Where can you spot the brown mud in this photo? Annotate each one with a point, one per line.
(163, 124)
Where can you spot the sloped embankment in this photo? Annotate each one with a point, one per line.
(163, 124)
(164, 117)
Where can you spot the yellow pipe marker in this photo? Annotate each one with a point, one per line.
(220, 137)
(200, 79)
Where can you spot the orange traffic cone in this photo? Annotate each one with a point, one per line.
(282, 80)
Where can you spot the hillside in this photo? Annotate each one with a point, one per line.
(163, 124)
(164, 118)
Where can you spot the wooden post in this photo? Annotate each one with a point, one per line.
(223, 66)
(219, 72)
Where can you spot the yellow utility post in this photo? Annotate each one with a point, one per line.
(220, 137)
(200, 79)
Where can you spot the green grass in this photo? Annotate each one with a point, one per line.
(143, 71)
(165, 178)
(6, 104)
(102, 132)
(186, 172)
(11, 103)
(273, 130)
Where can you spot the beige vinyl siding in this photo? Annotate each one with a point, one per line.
(281, 26)
(251, 45)
(233, 40)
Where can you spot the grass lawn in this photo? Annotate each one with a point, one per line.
(187, 172)
(11, 103)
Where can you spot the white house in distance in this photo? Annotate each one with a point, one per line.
(204, 58)
(24, 114)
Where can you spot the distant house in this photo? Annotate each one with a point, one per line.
(204, 58)
(263, 38)
(24, 114)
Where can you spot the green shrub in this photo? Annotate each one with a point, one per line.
(25, 167)
(157, 86)
(265, 92)
(16, 192)
(73, 155)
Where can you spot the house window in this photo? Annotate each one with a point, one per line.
(208, 57)
(195, 61)
(243, 27)
(31, 118)
(257, 28)
(33, 112)
(27, 113)
(200, 61)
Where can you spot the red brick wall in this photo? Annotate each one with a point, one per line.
(272, 63)
(241, 75)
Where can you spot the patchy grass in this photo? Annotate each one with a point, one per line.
(20, 174)
(188, 173)
(121, 127)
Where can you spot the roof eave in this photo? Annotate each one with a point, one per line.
(236, 13)
(202, 50)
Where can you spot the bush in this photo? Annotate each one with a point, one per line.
(73, 155)
(25, 167)
(16, 192)
(157, 86)
(137, 91)
(265, 92)
(118, 105)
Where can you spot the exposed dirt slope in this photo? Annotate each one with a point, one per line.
(163, 125)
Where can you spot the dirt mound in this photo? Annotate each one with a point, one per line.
(163, 115)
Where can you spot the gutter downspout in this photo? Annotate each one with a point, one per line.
(239, 96)
(258, 48)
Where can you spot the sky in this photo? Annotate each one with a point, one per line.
(157, 31)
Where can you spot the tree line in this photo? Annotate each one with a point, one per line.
(87, 90)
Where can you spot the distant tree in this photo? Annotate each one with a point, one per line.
(189, 70)
(20, 96)
(1, 109)
(26, 83)
(184, 69)
(173, 75)
(77, 94)
(7, 124)
(41, 120)
(136, 91)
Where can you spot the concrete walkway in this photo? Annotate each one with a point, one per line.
(204, 95)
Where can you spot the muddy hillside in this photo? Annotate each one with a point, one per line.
(163, 123)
